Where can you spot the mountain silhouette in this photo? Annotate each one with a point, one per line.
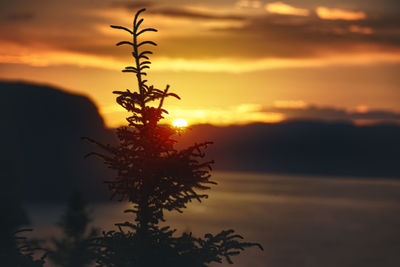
(303, 147)
(42, 146)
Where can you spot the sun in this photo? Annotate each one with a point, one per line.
(180, 123)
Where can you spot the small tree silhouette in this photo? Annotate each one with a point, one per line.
(73, 248)
(155, 177)
(18, 251)
(15, 249)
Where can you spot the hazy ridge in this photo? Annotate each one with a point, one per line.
(43, 151)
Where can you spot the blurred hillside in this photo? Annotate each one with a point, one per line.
(303, 147)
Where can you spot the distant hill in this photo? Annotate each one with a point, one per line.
(42, 151)
(41, 142)
(318, 148)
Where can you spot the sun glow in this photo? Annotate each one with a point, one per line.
(180, 123)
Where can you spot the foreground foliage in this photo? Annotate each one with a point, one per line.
(74, 248)
(15, 249)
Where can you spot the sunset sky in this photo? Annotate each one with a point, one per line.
(231, 61)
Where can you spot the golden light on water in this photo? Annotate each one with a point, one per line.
(180, 123)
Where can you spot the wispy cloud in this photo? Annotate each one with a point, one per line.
(290, 104)
(177, 12)
(193, 14)
(285, 9)
(282, 110)
(240, 114)
(242, 66)
(248, 4)
(42, 57)
(133, 5)
(359, 114)
(339, 14)
(361, 30)
(52, 57)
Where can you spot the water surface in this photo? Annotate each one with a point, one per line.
(300, 221)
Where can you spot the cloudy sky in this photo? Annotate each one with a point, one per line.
(231, 61)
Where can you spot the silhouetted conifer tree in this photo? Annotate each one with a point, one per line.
(73, 248)
(155, 177)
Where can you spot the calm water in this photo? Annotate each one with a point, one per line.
(300, 221)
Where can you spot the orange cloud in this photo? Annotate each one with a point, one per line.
(339, 14)
(360, 109)
(43, 57)
(231, 65)
(227, 65)
(360, 30)
(247, 4)
(290, 104)
(285, 9)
